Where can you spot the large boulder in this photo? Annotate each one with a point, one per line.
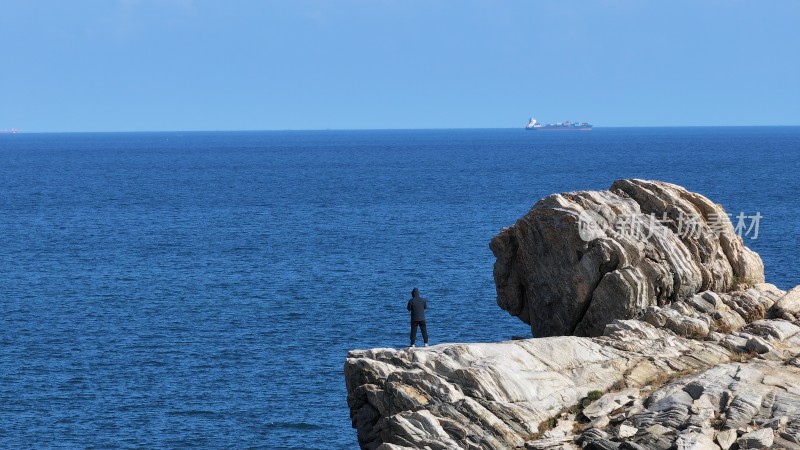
(579, 260)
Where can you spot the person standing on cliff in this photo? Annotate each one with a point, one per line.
(417, 305)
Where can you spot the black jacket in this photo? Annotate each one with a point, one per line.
(417, 305)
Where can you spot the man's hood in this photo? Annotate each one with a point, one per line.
(415, 292)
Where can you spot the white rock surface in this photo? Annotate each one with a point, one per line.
(609, 402)
(626, 431)
(726, 438)
(695, 440)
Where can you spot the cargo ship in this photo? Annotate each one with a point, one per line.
(561, 126)
(11, 131)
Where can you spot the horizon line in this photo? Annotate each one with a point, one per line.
(19, 131)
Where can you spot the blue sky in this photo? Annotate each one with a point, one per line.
(110, 65)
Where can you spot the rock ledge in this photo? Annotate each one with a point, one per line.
(653, 338)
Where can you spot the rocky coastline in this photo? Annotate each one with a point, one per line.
(655, 330)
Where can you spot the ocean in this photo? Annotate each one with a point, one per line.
(173, 290)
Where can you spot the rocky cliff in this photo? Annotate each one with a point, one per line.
(680, 344)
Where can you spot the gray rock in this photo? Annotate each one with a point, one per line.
(762, 438)
(726, 438)
(385, 446)
(792, 434)
(549, 443)
(784, 444)
(599, 422)
(659, 430)
(602, 444)
(757, 345)
(712, 298)
(631, 446)
(592, 434)
(770, 330)
(778, 423)
(734, 343)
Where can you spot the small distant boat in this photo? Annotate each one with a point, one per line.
(11, 131)
(561, 126)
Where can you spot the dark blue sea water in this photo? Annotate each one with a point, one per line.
(167, 290)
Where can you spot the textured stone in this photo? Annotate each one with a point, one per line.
(783, 443)
(599, 422)
(497, 395)
(687, 343)
(606, 404)
(762, 438)
(694, 440)
(787, 304)
(778, 423)
(726, 438)
(552, 443)
(570, 266)
(626, 431)
(659, 429)
(773, 329)
(602, 444)
(757, 345)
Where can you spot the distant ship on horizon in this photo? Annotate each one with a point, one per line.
(561, 126)
(11, 131)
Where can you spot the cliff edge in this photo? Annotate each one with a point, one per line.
(662, 337)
